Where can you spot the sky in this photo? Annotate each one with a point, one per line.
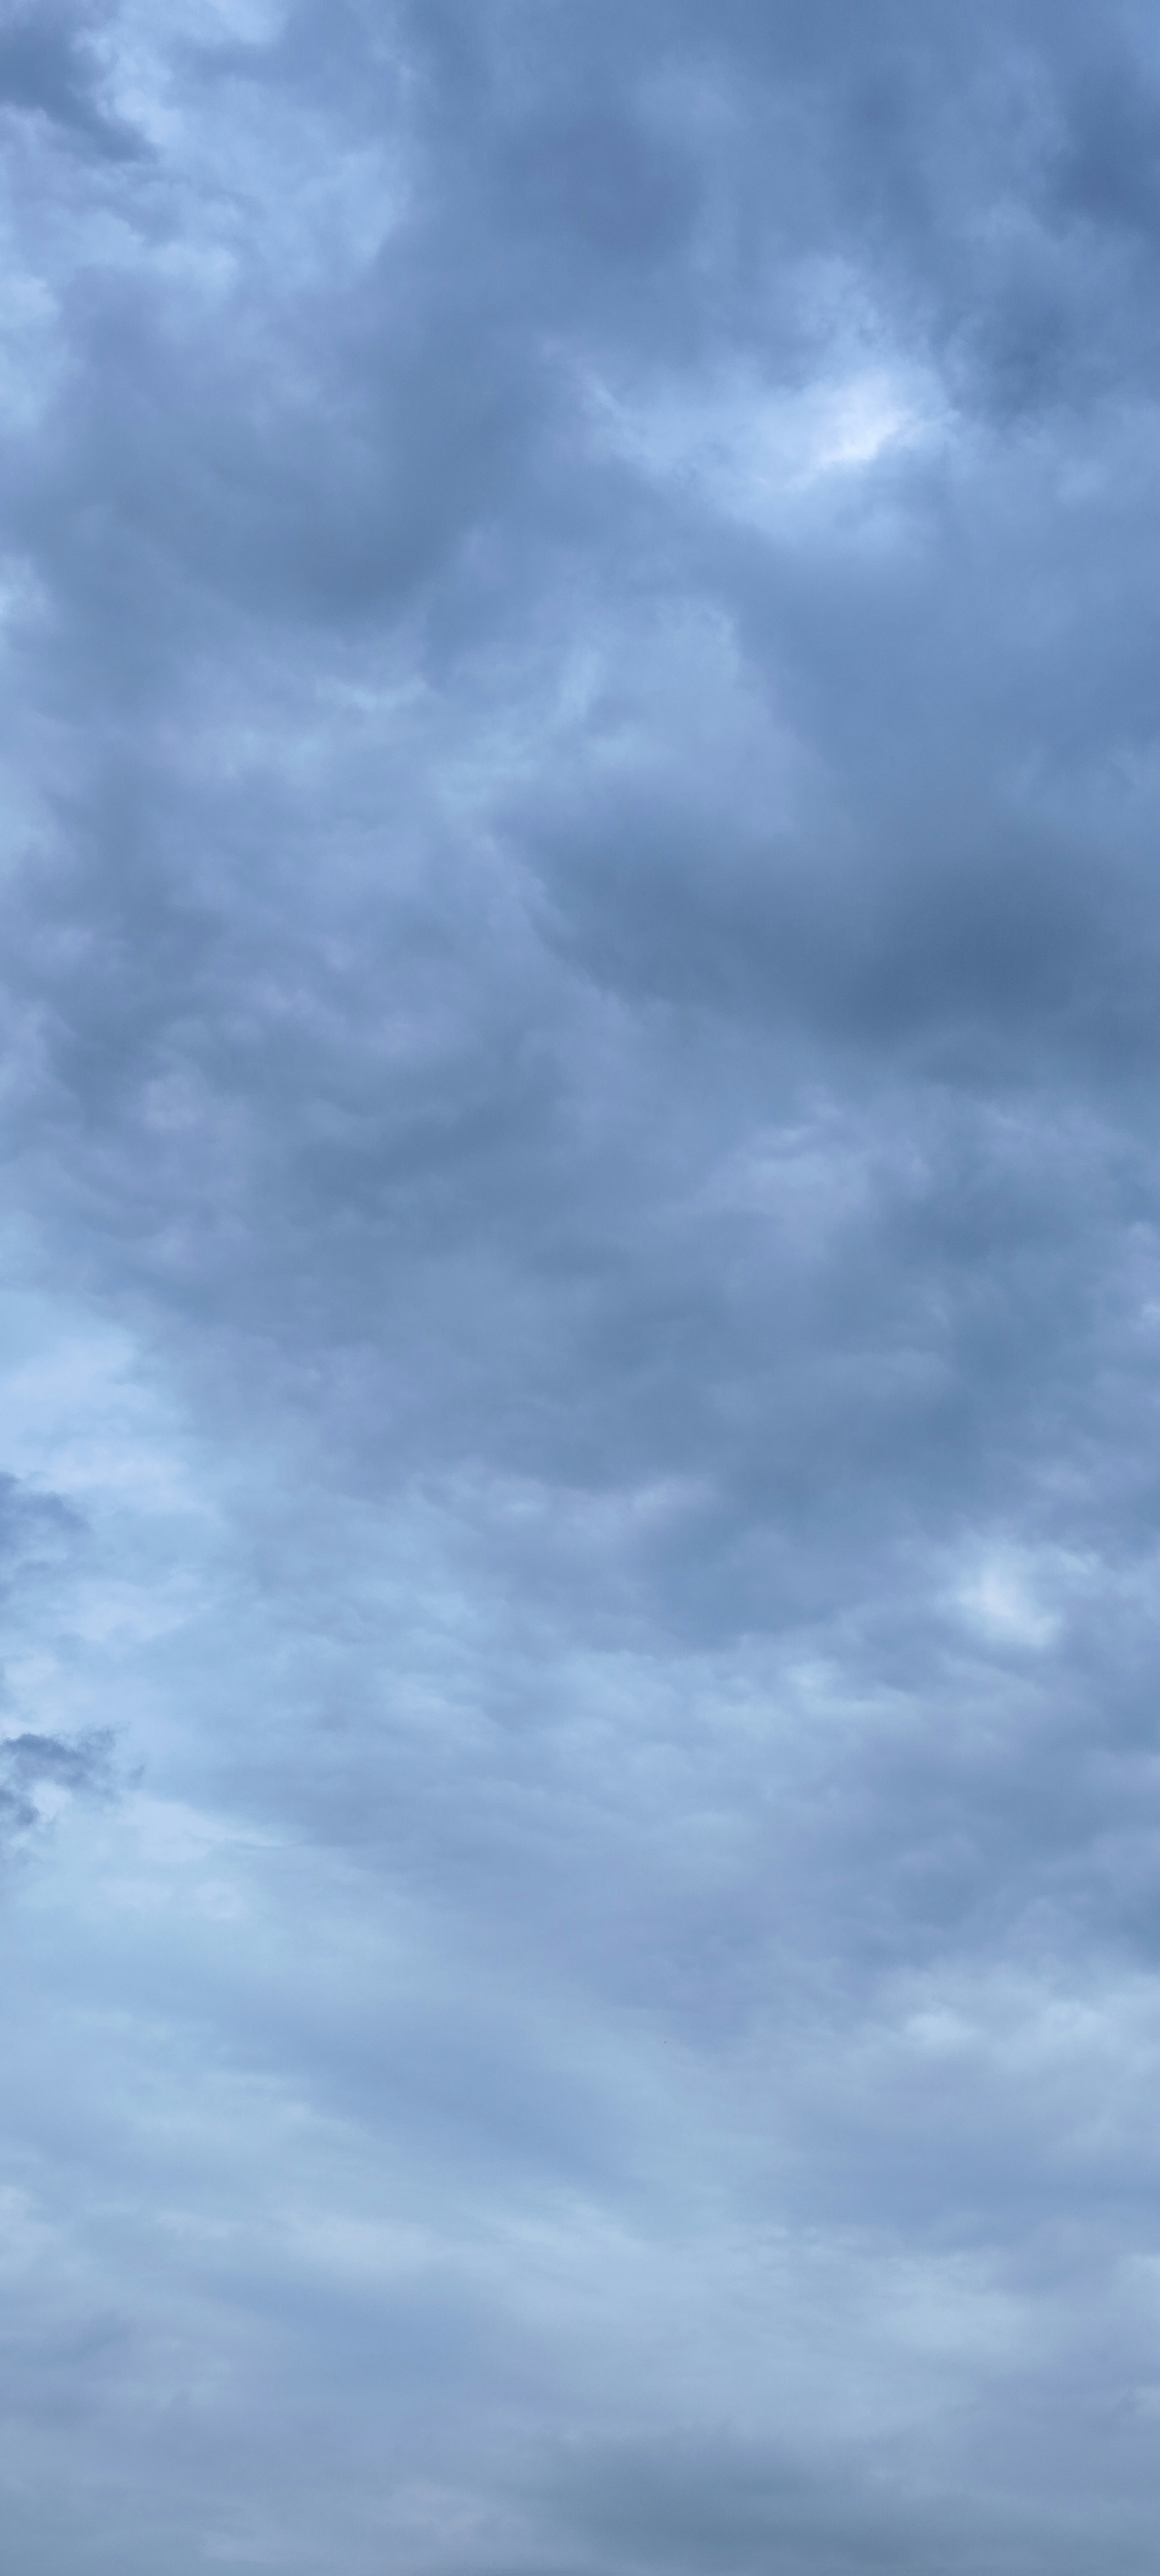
(580, 1354)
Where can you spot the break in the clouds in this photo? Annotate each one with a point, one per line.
(579, 1790)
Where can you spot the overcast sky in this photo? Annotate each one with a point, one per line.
(580, 1525)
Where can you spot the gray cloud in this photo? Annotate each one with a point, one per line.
(581, 1289)
(28, 1761)
(48, 69)
(42, 1537)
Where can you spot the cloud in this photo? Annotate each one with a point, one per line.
(35, 1762)
(580, 1288)
(49, 68)
(41, 1538)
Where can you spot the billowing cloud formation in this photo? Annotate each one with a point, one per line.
(582, 1288)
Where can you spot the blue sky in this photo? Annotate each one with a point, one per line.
(580, 1365)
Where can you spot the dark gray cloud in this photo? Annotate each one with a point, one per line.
(581, 1288)
(730, 2506)
(31, 1761)
(49, 68)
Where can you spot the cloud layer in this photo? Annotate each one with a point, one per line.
(582, 1288)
